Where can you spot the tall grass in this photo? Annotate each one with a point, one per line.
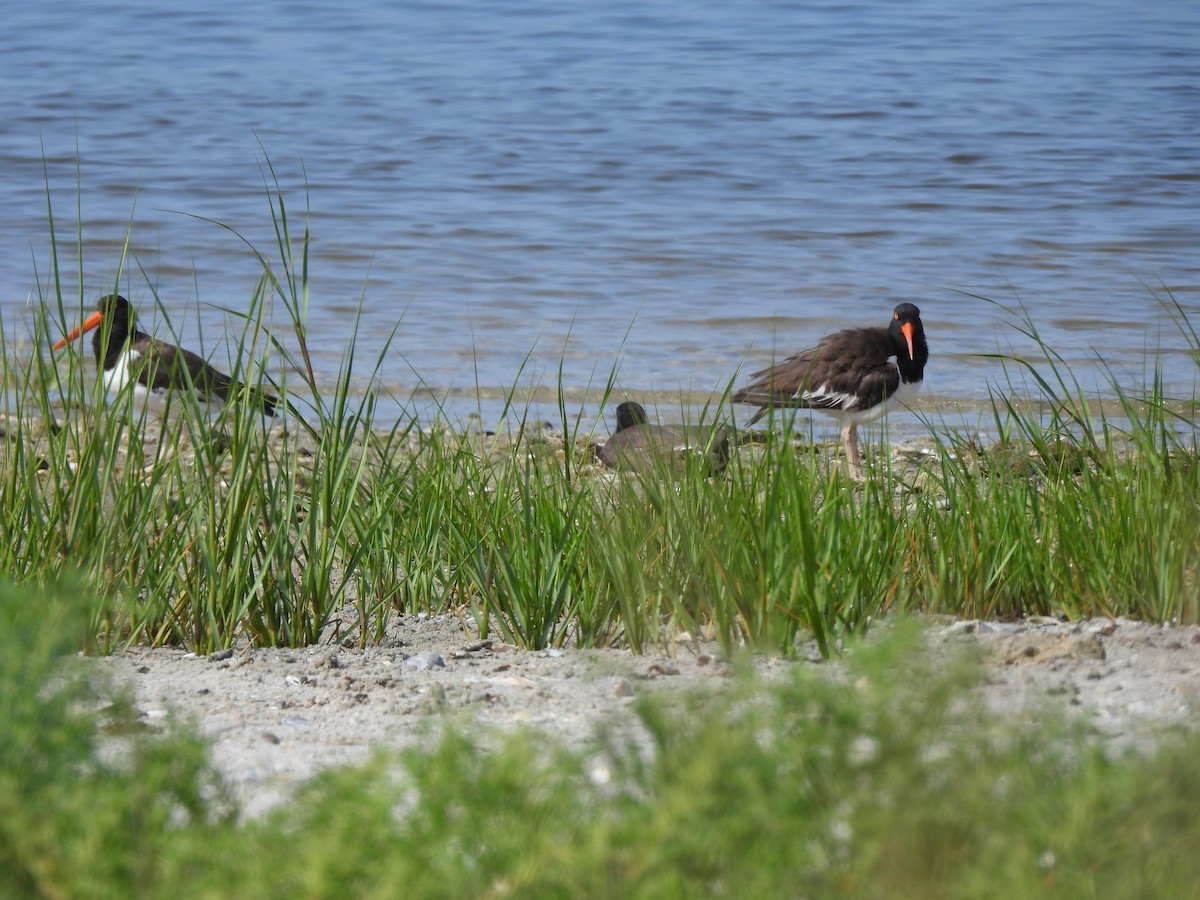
(1079, 510)
(207, 532)
(190, 529)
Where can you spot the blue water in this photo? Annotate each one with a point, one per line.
(674, 190)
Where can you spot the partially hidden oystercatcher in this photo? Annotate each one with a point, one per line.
(638, 445)
(155, 367)
(855, 375)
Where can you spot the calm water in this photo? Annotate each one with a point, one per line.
(675, 189)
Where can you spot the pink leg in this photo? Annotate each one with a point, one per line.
(853, 456)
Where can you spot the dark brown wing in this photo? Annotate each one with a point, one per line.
(848, 370)
(165, 367)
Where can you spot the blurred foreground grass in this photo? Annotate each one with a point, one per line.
(887, 782)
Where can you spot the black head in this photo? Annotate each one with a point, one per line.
(115, 314)
(114, 305)
(114, 328)
(908, 335)
(629, 414)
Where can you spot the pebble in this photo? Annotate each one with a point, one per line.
(969, 626)
(431, 660)
(329, 660)
(1043, 620)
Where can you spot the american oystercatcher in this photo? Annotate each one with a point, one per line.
(854, 375)
(638, 445)
(155, 367)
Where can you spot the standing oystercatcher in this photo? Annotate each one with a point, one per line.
(853, 375)
(155, 367)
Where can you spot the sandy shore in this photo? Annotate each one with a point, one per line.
(276, 717)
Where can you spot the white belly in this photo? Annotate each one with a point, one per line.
(904, 395)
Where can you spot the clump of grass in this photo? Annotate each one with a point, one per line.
(1077, 510)
(774, 549)
(191, 530)
(532, 595)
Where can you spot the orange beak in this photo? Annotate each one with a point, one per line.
(906, 329)
(91, 322)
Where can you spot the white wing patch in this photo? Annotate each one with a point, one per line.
(825, 398)
(839, 403)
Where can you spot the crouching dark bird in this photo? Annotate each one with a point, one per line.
(640, 446)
